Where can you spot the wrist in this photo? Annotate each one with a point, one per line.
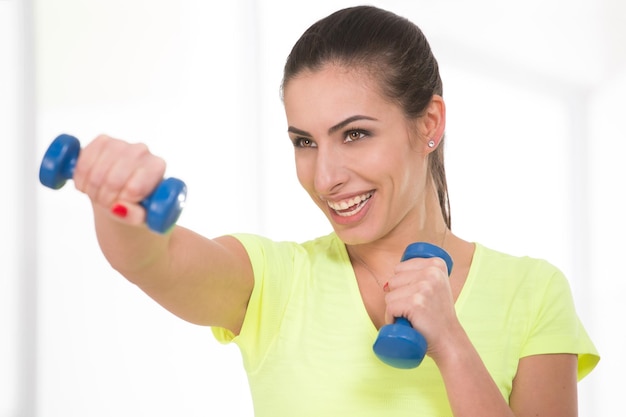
(452, 347)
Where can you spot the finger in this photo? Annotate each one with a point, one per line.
(87, 160)
(394, 305)
(143, 181)
(128, 213)
(417, 269)
(389, 318)
(98, 164)
(421, 263)
(406, 310)
(409, 300)
(132, 177)
(117, 177)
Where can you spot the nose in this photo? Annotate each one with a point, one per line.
(330, 170)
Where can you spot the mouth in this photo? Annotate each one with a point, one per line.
(351, 206)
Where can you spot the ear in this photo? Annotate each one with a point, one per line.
(433, 123)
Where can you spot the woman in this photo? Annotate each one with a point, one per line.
(365, 112)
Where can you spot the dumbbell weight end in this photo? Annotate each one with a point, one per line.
(59, 161)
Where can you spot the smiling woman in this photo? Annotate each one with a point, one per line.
(365, 112)
(364, 106)
(369, 152)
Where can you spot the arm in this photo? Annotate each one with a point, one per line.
(203, 281)
(545, 385)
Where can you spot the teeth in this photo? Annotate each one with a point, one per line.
(352, 202)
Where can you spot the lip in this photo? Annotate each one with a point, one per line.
(350, 209)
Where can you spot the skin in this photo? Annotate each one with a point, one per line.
(349, 141)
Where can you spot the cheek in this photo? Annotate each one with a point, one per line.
(396, 167)
(304, 172)
(410, 171)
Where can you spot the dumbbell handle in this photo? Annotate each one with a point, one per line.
(163, 206)
(399, 344)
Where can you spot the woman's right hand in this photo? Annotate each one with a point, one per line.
(117, 176)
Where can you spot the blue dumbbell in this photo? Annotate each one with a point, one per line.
(399, 344)
(163, 206)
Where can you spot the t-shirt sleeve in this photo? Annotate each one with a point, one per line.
(273, 265)
(556, 327)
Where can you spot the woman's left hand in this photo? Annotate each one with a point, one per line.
(420, 291)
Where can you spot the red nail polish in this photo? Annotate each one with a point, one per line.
(119, 210)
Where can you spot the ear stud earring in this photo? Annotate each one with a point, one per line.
(431, 143)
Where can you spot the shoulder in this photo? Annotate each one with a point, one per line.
(503, 265)
(519, 280)
(326, 247)
(265, 252)
(536, 305)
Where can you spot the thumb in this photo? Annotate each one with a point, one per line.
(128, 213)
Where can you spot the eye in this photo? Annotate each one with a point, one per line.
(301, 142)
(354, 135)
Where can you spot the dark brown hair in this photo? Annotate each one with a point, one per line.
(396, 53)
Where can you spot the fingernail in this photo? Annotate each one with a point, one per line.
(119, 210)
(386, 287)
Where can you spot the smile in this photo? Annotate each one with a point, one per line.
(350, 207)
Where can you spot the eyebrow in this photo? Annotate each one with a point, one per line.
(334, 128)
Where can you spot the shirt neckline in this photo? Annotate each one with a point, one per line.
(355, 293)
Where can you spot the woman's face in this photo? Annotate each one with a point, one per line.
(361, 161)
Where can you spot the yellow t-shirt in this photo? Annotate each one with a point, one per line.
(306, 339)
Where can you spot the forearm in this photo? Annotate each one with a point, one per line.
(134, 251)
(203, 281)
(471, 389)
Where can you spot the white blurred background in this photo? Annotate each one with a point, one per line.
(535, 91)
